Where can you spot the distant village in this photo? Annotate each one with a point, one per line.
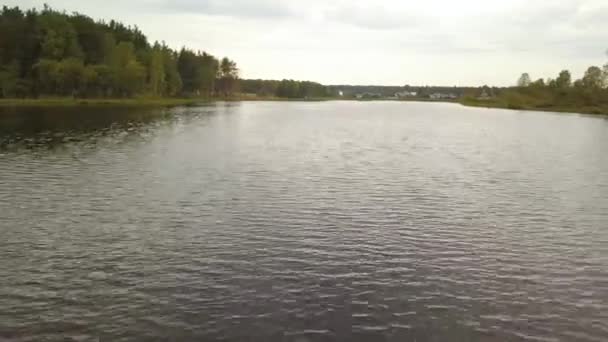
(422, 93)
(408, 95)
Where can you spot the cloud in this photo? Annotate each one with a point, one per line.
(375, 41)
(373, 16)
(270, 9)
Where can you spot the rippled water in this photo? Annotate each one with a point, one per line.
(342, 221)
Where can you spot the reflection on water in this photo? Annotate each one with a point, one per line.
(303, 222)
(31, 127)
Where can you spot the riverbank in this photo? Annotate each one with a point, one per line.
(137, 102)
(542, 107)
(70, 102)
(172, 102)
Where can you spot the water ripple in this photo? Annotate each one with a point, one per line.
(304, 222)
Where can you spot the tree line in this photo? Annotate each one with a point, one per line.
(51, 53)
(594, 78)
(587, 94)
(284, 89)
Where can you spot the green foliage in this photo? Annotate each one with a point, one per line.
(538, 83)
(588, 95)
(524, 80)
(173, 80)
(9, 75)
(287, 89)
(51, 53)
(198, 72)
(295, 89)
(594, 78)
(47, 72)
(228, 75)
(106, 79)
(156, 72)
(71, 76)
(59, 38)
(564, 80)
(131, 78)
(262, 88)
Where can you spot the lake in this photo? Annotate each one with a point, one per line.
(303, 221)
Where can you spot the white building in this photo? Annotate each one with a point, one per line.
(484, 95)
(440, 96)
(404, 94)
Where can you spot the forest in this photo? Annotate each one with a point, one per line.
(588, 94)
(284, 89)
(51, 53)
(48, 53)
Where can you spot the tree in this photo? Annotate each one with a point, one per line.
(293, 89)
(156, 72)
(129, 74)
(228, 68)
(173, 81)
(288, 89)
(189, 71)
(538, 83)
(122, 54)
(47, 71)
(198, 72)
(131, 78)
(9, 74)
(107, 45)
(207, 74)
(564, 80)
(106, 79)
(594, 78)
(605, 76)
(90, 37)
(53, 53)
(60, 38)
(70, 76)
(90, 81)
(228, 76)
(524, 80)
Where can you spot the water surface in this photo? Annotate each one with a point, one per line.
(333, 221)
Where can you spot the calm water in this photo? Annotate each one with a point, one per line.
(337, 221)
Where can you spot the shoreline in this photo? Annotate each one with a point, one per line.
(168, 102)
(173, 102)
(72, 102)
(137, 102)
(593, 110)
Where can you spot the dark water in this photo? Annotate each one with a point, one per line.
(300, 222)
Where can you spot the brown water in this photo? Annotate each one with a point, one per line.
(333, 221)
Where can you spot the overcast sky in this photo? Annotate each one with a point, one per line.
(388, 42)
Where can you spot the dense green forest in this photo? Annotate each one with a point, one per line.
(51, 53)
(48, 53)
(284, 89)
(588, 94)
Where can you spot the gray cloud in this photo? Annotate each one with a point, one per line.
(233, 8)
(372, 16)
(413, 41)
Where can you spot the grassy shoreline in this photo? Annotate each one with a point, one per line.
(70, 102)
(498, 103)
(135, 102)
(172, 102)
